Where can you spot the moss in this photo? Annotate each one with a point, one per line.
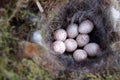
(34, 72)
(10, 67)
(5, 39)
(25, 70)
(5, 72)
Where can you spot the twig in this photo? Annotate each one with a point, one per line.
(39, 6)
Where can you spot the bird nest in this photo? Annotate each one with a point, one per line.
(77, 11)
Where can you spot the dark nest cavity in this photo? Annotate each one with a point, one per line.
(77, 11)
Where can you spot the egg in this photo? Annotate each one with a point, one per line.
(72, 30)
(58, 47)
(86, 27)
(79, 55)
(82, 39)
(71, 45)
(92, 49)
(60, 34)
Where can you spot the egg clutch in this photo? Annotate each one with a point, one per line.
(75, 39)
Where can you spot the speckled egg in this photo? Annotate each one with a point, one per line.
(79, 55)
(82, 39)
(71, 45)
(60, 34)
(92, 49)
(58, 47)
(86, 27)
(72, 30)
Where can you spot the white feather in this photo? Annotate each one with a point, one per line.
(115, 13)
(37, 38)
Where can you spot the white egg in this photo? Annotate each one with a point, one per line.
(82, 39)
(79, 55)
(36, 37)
(58, 47)
(60, 34)
(70, 44)
(92, 49)
(72, 30)
(86, 27)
